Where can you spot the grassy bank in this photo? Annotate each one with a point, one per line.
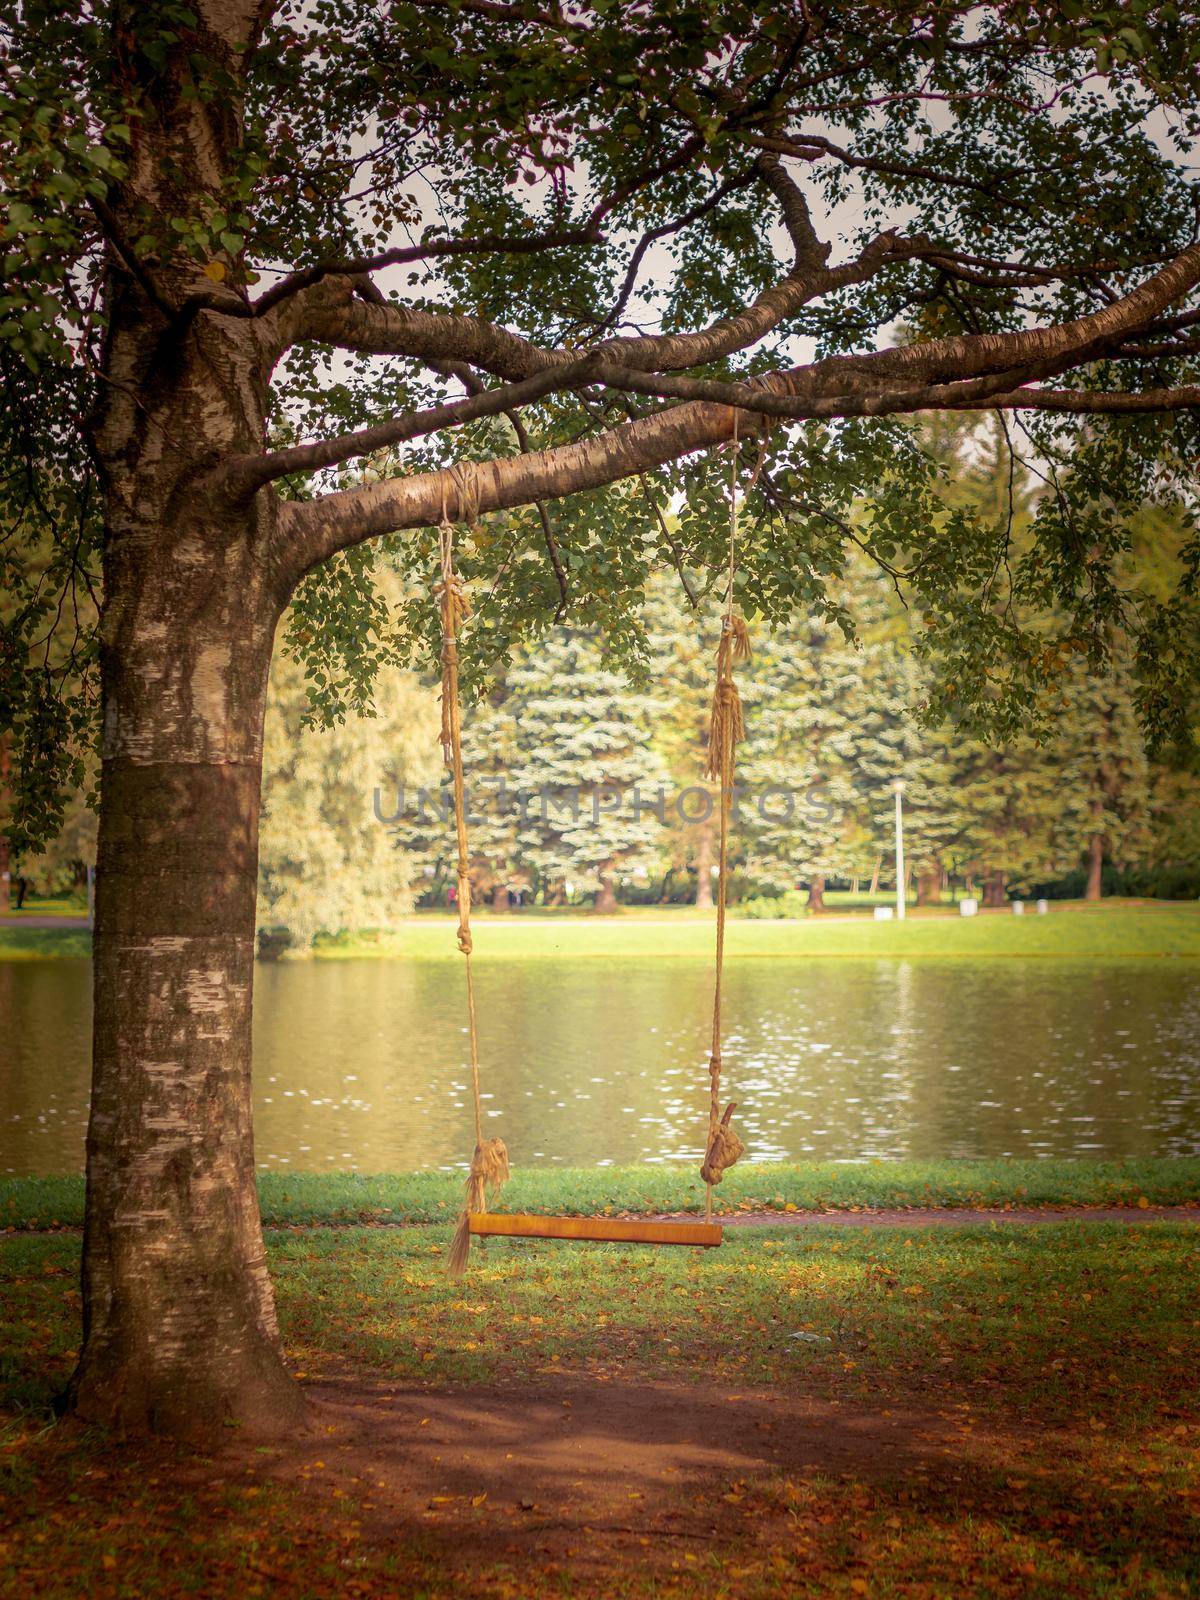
(39, 944)
(1048, 1362)
(289, 1199)
(1117, 932)
(1147, 929)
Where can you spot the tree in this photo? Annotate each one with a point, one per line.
(587, 781)
(1108, 789)
(804, 705)
(208, 200)
(682, 634)
(326, 860)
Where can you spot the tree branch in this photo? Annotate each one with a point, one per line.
(312, 530)
(242, 476)
(1089, 401)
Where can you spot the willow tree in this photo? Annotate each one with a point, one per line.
(250, 246)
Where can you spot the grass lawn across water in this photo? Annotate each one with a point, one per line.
(1110, 931)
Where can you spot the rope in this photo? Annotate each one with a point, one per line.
(726, 731)
(489, 1164)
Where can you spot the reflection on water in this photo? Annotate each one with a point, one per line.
(364, 1064)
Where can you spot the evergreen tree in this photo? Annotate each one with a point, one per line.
(1105, 804)
(683, 645)
(589, 779)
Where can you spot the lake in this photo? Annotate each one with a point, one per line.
(363, 1064)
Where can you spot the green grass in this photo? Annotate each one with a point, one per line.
(1144, 929)
(888, 1312)
(1068, 1349)
(38, 944)
(343, 1197)
(1157, 930)
(1057, 1320)
(52, 905)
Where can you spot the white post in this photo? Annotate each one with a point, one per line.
(899, 787)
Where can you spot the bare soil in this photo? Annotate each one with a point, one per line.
(587, 1472)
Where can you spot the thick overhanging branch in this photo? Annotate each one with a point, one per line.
(243, 475)
(311, 531)
(966, 372)
(337, 318)
(976, 355)
(333, 316)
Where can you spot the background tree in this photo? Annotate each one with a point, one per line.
(1108, 779)
(803, 704)
(248, 243)
(683, 628)
(326, 862)
(588, 776)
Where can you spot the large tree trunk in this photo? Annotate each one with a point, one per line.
(606, 899)
(1095, 876)
(816, 892)
(704, 862)
(180, 1333)
(994, 886)
(5, 843)
(929, 886)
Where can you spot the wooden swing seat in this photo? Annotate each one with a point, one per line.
(520, 1225)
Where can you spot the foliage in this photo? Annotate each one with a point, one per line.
(1032, 159)
(325, 861)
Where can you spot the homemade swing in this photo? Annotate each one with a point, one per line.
(489, 1164)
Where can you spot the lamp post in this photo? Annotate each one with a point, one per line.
(899, 788)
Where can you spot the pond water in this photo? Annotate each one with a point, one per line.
(362, 1064)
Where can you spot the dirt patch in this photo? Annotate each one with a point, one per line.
(584, 1470)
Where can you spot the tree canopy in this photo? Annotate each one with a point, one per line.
(613, 225)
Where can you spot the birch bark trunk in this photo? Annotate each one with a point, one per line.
(180, 1333)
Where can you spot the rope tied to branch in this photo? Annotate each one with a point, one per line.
(489, 1162)
(726, 731)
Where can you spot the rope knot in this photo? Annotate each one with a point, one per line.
(735, 638)
(489, 1170)
(724, 1148)
(726, 729)
(453, 599)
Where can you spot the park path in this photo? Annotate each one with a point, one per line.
(957, 1216)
